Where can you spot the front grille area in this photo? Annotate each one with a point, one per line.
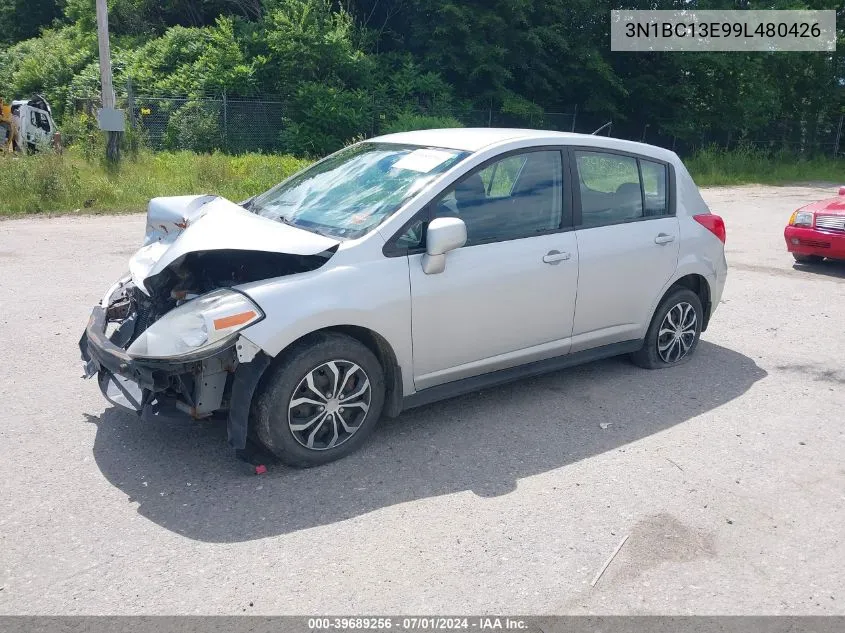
(814, 243)
(830, 222)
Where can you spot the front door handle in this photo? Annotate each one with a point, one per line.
(555, 257)
(664, 238)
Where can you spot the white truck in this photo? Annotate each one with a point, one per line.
(27, 125)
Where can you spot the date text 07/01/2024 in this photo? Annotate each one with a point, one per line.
(487, 623)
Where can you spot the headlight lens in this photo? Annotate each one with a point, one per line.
(202, 325)
(802, 218)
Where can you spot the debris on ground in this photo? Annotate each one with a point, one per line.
(609, 560)
(675, 464)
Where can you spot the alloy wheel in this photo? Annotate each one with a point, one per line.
(677, 332)
(329, 405)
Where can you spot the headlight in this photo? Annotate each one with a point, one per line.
(203, 325)
(801, 218)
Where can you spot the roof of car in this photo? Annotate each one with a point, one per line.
(473, 139)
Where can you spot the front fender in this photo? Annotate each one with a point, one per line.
(373, 294)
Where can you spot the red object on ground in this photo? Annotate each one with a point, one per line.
(826, 236)
(261, 469)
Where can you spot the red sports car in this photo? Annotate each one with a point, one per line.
(817, 231)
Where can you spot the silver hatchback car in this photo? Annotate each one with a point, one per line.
(402, 270)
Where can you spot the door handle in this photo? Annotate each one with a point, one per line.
(664, 238)
(555, 257)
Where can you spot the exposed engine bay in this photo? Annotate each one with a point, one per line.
(199, 272)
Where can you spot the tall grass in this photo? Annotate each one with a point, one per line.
(747, 165)
(50, 183)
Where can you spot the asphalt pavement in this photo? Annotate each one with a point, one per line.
(726, 475)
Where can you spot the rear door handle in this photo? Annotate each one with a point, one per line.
(664, 238)
(555, 257)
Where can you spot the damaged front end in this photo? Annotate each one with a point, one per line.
(168, 338)
(220, 379)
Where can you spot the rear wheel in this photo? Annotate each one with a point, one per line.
(674, 331)
(321, 402)
(808, 259)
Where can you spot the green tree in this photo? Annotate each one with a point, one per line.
(194, 61)
(46, 64)
(306, 41)
(24, 19)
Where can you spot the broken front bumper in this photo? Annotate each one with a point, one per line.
(120, 377)
(197, 388)
(197, 385)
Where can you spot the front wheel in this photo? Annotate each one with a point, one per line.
(321, 401)
(674, 331)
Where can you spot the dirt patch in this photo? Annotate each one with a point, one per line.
(655, 540)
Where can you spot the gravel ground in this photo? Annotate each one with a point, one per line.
(727, 473)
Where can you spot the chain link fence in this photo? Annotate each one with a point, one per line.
(238, 125)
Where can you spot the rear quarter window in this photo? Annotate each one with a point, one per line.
(655, 187)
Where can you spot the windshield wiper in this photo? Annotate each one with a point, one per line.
(286, 220)
(325, 234)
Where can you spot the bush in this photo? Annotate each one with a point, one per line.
(195, 127)
(408, 121)
(192, 61)
(402, 87)
(323, 118)
(46, 65)
(309, 41)
(81, 132)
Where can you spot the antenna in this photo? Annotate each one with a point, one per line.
(608, 124)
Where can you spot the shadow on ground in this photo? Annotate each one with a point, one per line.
(185, 479)
(828, 268)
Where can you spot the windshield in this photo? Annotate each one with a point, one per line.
(353, 191)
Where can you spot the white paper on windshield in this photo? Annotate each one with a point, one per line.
(423, 160)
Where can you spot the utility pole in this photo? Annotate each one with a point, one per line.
(110, 119)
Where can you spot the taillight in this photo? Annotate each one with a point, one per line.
(713, 223)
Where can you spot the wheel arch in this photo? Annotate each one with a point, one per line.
(383, 351)
(378, 345)
(700, 286)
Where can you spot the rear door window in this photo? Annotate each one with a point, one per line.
(617, 188)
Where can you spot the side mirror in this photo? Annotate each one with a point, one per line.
(842, 191)
(443, 235)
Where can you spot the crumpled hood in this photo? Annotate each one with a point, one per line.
(180, 225)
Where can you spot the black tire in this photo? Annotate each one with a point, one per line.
(808, 259)
(649, 356)
(272, 418)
